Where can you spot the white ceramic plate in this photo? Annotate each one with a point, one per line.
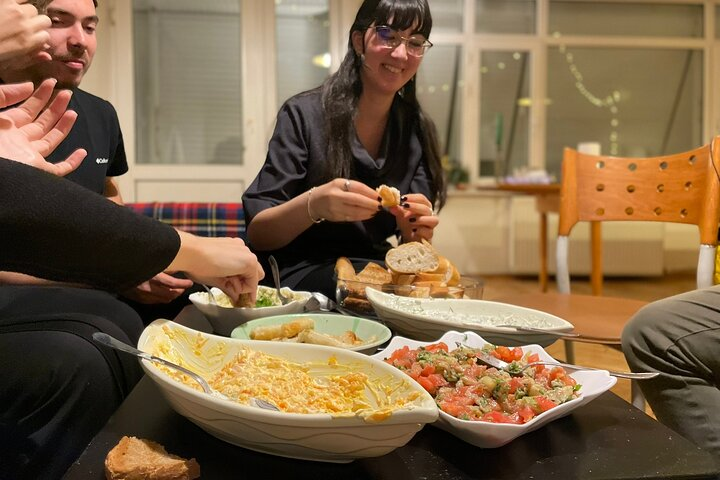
(492, 435)
(321, 437)
(429, 318)
(225, 319)
(374, 333)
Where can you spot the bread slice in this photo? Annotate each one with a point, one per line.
(139, 459)
(375, 274)
(412, 257)
(344, 269)
(390, 196)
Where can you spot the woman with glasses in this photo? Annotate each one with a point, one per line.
(314, 199)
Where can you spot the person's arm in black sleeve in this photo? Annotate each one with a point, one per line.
(55, 229)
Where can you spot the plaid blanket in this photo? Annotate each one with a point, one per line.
(203, 219)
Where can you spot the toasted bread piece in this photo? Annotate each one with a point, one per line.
(402, 278)
(374, 273)
(412, 257)
(390, 196)
(360, 305)
(139, 459)
(344, 269)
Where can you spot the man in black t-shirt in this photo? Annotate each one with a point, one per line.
(72, 47)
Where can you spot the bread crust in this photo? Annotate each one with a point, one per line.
(390, 196)
(141, 459)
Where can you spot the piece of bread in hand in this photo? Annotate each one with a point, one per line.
(139, 459)
(390, 196)
(244, 301)
(412, 257)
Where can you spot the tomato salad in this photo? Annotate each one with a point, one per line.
(466, 389)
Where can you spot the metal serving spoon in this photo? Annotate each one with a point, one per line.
(113, 342)
(276, 278)
(211, 297)
(491, 361)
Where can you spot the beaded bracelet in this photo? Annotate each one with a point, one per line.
(319, 220)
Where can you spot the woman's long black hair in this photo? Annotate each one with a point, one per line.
(341, 91)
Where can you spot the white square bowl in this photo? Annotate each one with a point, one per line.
(492, 435)
(321, 437)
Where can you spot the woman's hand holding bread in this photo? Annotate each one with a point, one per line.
(415, 218)
(342, 200)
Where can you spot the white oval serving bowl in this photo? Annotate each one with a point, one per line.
(225, 319)
(321, 437)
(492, 435)
(429, 318)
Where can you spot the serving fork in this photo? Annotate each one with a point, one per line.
(515, 369)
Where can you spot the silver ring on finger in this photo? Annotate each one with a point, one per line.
(346, 187)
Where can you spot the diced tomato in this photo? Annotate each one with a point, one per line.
(515, 383)
(435, 347)
(556, 372)
(429, 369)
(427, 384)
(508, 354)
(544, 404)
(526, 414)
(454, 409)
(499, 417)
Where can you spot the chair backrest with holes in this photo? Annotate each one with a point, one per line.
(679, 188)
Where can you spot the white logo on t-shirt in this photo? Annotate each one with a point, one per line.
(101, 160)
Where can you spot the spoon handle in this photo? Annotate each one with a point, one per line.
(276, 278)
(540, 330)
(112, 342)
(630, 375)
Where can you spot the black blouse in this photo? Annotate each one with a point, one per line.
(297, 148)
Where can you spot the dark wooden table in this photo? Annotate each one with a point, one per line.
(606, 439)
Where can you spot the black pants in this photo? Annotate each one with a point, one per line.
(57, 386)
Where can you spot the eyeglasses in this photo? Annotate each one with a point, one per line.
(416, 45)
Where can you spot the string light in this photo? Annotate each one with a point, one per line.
(610, 101)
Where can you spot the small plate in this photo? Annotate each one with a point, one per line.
(429, 318)
(492, 435)
(225, 319)
(328, 323)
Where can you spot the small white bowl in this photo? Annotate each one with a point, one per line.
(492, 435)
(320, 437)
(330, 324)
(225, 319)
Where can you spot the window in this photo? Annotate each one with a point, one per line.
(505, 112)
(509, 83)
(642, 102)
(569, 17)
(302, 31)
(439, 91)
(187, 81)
(505, 16)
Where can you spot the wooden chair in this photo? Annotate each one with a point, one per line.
(680, 188)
